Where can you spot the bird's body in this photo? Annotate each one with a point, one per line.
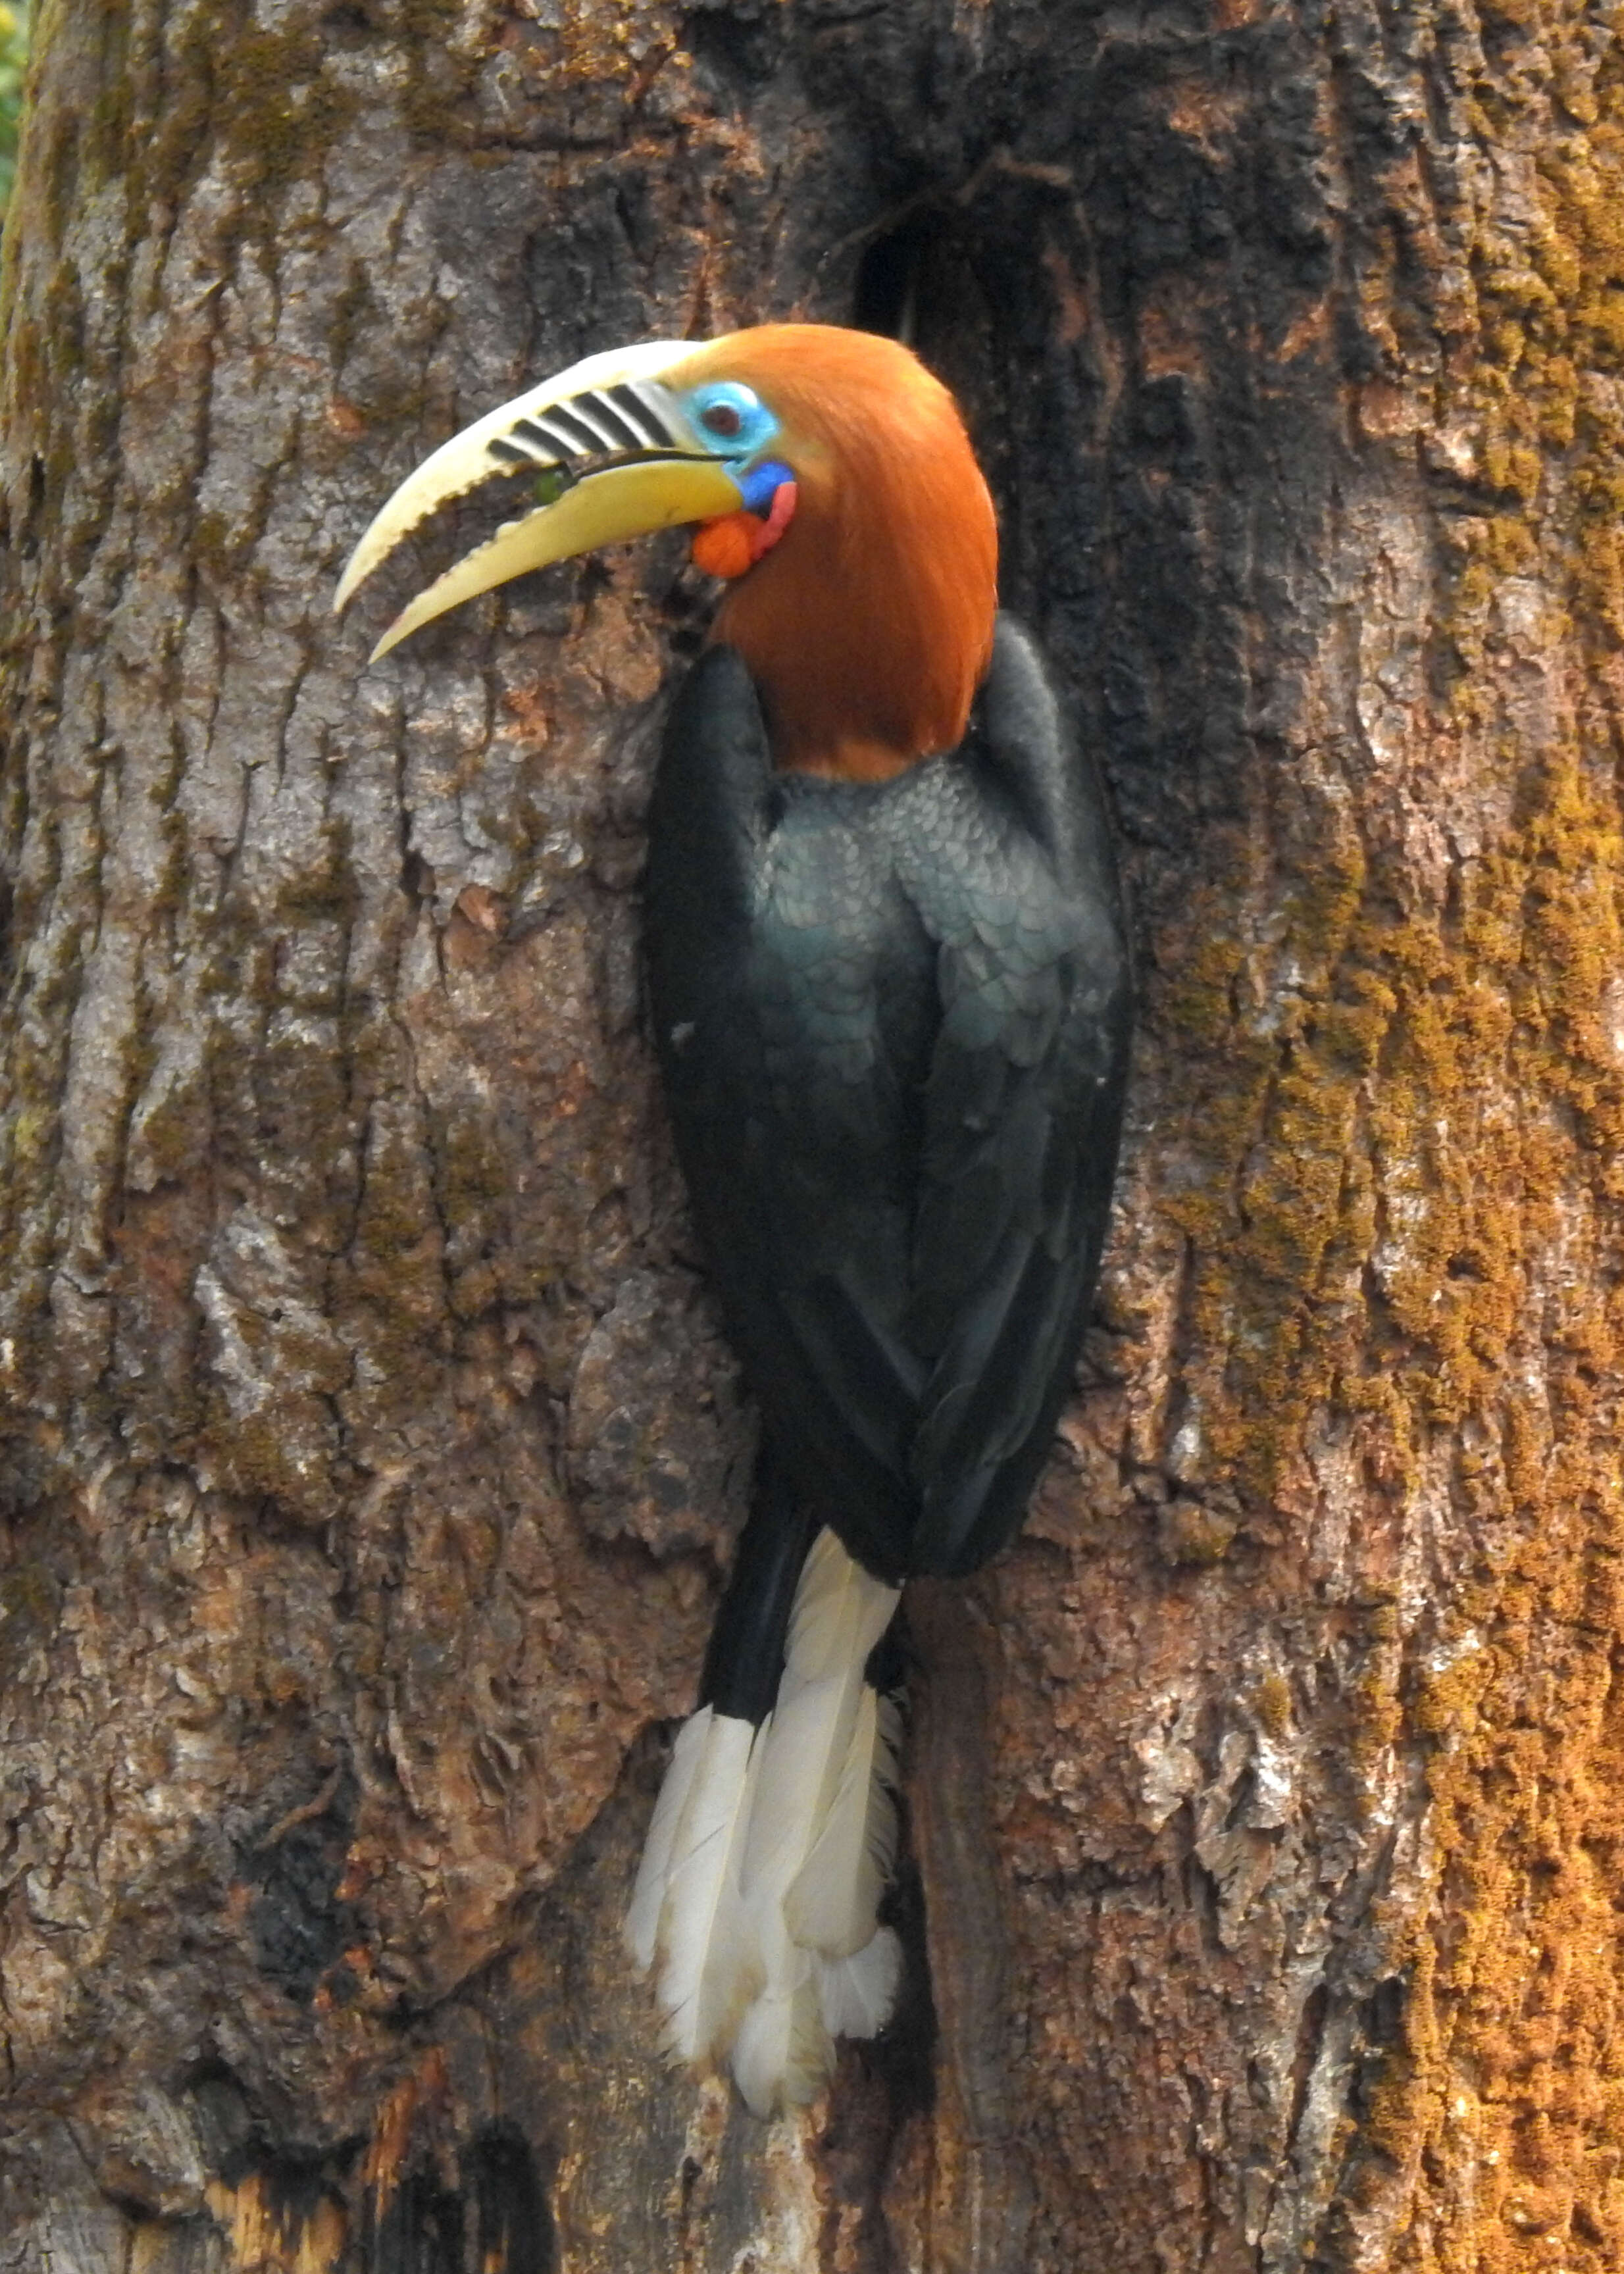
(888, 984)
(886, 1015)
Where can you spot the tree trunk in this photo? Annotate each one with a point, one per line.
(370, 1451)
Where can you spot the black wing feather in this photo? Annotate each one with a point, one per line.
(894, 1023)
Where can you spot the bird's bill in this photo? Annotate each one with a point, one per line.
(643, 469)
(602, 509)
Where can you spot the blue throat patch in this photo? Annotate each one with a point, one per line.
(761, 485)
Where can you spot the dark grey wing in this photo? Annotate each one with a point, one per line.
(793, 991)
(893, 1024)
(1023, 1109)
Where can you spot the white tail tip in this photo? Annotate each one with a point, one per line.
(769, 1852)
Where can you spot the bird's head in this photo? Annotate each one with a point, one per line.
(834, 487)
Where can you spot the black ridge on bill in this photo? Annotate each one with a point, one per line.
(622, 435)
(639, 413)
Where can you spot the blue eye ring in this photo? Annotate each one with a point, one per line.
(732, 418)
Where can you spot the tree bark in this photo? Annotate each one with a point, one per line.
(369, 1451)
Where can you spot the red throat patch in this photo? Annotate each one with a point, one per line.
(729, 547)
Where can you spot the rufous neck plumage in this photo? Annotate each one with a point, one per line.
(866, 623)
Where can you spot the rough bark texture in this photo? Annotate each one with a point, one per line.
(370, 1453)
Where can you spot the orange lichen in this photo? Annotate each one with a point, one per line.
(1403, 1211)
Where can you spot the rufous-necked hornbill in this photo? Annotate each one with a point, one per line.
(889, 991)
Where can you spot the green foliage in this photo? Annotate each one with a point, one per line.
(13, 57)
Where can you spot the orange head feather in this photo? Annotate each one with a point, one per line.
(867, 624)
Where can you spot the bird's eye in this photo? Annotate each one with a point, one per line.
(720, 418)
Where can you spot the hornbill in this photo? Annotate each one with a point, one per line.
(888, 985)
